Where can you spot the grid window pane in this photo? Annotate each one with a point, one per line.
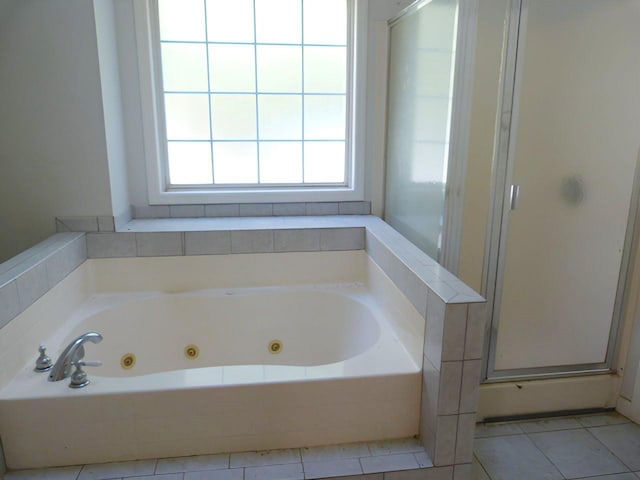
(324, 117)
(239, 108)
(189, 163)
(187, 116)
(235, 162)
(279, 68)
(184, 67)
(230, 20)
(280, 117)
(325, 22)
(325, 69)
(279, 21)
(280, 162)
(232, 68)
(324, 162)
(182, 20)
(233, 117)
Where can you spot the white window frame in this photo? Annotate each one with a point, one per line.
(155, 143)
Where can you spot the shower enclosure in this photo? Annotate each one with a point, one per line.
(564, 187)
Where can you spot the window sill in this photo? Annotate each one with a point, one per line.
(190, 197)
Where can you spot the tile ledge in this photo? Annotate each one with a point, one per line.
(401, 248)
(208, 224)
(30, 258)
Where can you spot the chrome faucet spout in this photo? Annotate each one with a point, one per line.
(73, 353)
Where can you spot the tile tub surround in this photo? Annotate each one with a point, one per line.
(253, 210)
(455, 323)
(28, 276)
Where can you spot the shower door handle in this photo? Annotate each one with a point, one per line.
(515, 194)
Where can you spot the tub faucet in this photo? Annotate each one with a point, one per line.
(72, 356)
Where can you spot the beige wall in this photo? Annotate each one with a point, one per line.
(483, 119)
(53, 158)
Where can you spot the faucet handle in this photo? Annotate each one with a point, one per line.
(95, 363)
(79, 377)
(43, 362)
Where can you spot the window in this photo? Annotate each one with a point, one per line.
(249, 100)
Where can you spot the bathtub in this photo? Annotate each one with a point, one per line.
(216, 354)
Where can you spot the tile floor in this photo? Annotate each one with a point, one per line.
(597, 447)
(391, 460)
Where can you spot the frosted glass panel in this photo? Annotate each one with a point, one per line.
(437, 29)
(235, 162)
(232, 68)
(324, 162)
(434, 73)
(189, 163)
(576, 151)
(280, 117)
(279, 21)
(325, 22)
(431, 119)
(229, 21)
(184, 67)
(279, 69)
(281, 162)
(324, 117)
(183, 20)
(422, 54)
(187, 116)
(325, 69)
(233, 117)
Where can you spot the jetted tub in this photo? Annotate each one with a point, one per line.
(217, 354)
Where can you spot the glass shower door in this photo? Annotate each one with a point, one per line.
(572, 161)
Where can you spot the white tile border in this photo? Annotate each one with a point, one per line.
(402, 261)
(38, 270)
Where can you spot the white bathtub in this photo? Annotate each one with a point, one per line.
(349, 368)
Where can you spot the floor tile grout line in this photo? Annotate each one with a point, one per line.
(544, 454)
(496, 436)
(304, 475)
(481, 466)
(609, 450)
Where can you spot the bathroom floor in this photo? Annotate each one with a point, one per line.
(597, 447)
(359, 461)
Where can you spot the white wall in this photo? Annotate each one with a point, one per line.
(112, 105)
(70, 131)
(53, 157)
